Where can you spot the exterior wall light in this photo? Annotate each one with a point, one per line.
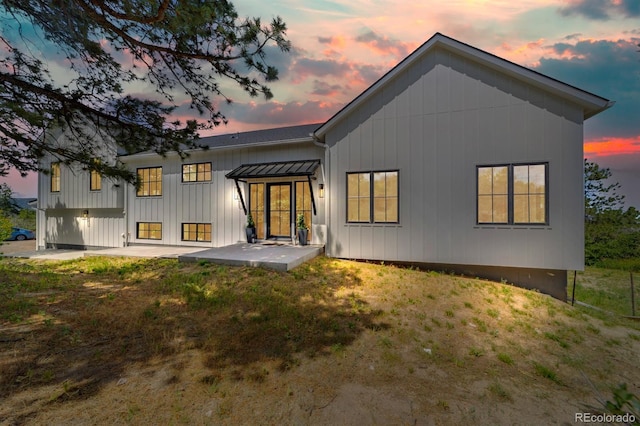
(321, 190)
(85, 214)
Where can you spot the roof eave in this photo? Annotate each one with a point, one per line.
(588, 113)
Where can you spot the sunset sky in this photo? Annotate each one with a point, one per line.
(341, 47)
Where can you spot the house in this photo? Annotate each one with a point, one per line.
(456, 159)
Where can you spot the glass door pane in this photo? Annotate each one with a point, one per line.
(303, 204)
(256, 207)
(279, 210)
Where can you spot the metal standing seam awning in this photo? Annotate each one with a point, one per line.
(275, 169)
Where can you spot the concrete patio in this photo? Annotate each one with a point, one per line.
(281, 257)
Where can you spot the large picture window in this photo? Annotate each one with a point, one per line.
(199, 172)
(372, 197)
(149, 230)
(150, 180)
(55, 177)
(196, 232)
(513, 194)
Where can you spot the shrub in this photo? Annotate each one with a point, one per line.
(25, 219)
(5, 228)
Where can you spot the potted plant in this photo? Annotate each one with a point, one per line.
(250, 229)
(302, 229)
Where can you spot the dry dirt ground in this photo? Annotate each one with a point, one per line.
(10, 247)
(330, 343)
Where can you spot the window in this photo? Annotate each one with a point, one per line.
(196, 232)
(150, 181)
(95, 179)
(513, 194)
(385, 197)
(200, 172)
(372, 197)
(493, 194)
(55, 177)
(149, 230)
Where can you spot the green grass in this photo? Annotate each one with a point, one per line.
(546, 372)
(506, 358)
(632, 264)
(607, 289)
(249, 323)
(498, 390)
(476, 352)
(556, 338)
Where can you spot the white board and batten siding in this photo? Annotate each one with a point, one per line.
(205, 202)
(435, 122)
(75, 215)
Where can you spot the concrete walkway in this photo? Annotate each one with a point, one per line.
(281, 257)
(49, 254)
(171, 252)
(165, 252)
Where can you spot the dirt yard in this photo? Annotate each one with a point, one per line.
(113, 341)
(10, 247)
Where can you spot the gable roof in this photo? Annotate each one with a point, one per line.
(592, 104)
(289, 134)
(280, 135)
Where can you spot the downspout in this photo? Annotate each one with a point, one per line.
(41, 225)
(125, 213)
(327, 203)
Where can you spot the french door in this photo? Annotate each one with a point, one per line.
(279, 210)
(273, 207)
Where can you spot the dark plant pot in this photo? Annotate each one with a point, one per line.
(302, 236)
(251, 235)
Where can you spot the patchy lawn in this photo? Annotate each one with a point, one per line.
(105, 340)
(607, 289)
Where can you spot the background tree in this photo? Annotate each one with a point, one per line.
(176, 47)
(7, 205)
(600, 194)
(5, 228)
(11, 211)
(610, 231)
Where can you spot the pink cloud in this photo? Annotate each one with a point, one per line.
(264, 115)
(322, 88)
(337, 78)
(304, 68)
(335, 42)
(384, 45)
